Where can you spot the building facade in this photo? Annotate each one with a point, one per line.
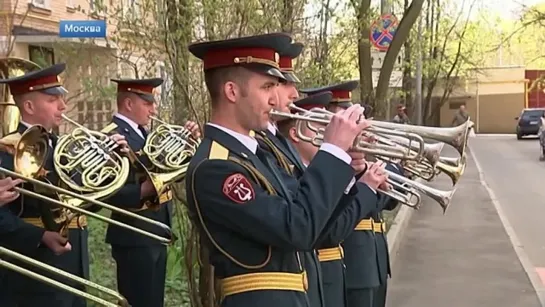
(30, 30)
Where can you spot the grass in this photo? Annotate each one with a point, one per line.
(103, 268)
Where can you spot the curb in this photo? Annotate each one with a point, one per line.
(397, 231)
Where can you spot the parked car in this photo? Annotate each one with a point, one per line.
(529, 122)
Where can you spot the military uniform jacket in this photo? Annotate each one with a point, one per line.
(366, 252)
(287, 158)
(334, 234)
(383, 256)
(250, 218)
(25, 238)
(128, 198)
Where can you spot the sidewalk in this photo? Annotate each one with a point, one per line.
(462, 259)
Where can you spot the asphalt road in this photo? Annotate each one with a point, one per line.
(466, 257)
(517, 177)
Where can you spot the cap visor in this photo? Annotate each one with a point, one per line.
(55, 91)
(148, 98)
(342, 104)
(266, 70)
(291, 77)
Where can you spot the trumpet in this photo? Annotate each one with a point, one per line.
(456, 137)
(320, 116)
(121, 301)
(169, 148)
(443, 198)
(81, 153)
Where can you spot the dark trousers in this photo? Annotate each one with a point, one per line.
(360, 297)
(17, 290)
(141, 273)
(380, 295)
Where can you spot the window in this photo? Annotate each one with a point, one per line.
(40, 3)
(532, 114)
(43, 56)
(455, 105)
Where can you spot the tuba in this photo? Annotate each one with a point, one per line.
(11, 67)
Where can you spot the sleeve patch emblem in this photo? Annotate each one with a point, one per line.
(238, 189)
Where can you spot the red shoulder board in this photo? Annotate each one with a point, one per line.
(238, 189)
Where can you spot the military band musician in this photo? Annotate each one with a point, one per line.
(26, 223)
(253, 225)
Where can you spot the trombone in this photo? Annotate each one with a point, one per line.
(121, 301)
(30, 151)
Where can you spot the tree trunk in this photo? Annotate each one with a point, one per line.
(362, 8)
(407, 72)
(403, 31)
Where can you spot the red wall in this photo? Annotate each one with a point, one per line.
(536, 98)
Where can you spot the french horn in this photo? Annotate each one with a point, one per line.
(76, 154)
(169, 148)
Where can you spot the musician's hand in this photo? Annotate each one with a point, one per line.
(359, 164)
(55, 242)
(385, 186)
(193, 127)
(7, 194)
(375, 175)
(121, 142)
(345, 126)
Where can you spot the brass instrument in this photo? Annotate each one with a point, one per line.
(456, 137)
(321, 116)
(74, 152)
(11, 67)
(169, 148)
(443, 198)
(4, 252)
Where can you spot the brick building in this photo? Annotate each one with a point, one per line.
(30, 30)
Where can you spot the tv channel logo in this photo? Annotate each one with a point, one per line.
(82, 29)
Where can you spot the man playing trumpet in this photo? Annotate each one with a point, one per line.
(330, 252)
(366, 250)
(253, 224)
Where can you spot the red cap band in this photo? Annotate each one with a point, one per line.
(27, 86)
(229, 57)
(136, 88)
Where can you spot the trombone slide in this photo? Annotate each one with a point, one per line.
(86, 212)
(121, 301)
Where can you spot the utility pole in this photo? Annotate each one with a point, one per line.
(418, 83)
(385, 9)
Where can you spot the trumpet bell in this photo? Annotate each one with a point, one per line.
(453, 171)
(456, 137)
(443, 198)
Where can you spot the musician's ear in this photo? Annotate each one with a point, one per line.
(293, 135)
